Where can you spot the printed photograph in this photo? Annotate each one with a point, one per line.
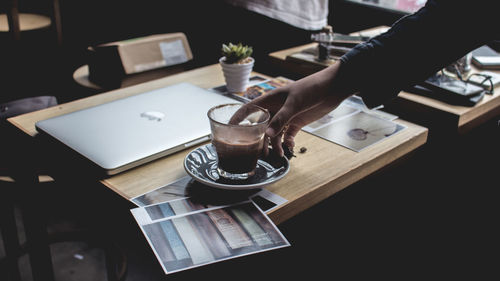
(175, 190)
(210, 236)
(174, 208)
(197, 196)
(252, 81)
(341, 111)
(358, 131)
(260, 89)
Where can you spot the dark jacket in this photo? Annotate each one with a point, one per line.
(417, 46)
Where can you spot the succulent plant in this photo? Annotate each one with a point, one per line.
(236, 53)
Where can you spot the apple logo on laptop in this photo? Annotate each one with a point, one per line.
(153, 115)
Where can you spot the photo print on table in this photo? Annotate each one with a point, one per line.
(339, 112)
(253, 80)
(257, 86)
(199, 238)
(198, 194)
(356, 131)
(172, 191)
(255, 91)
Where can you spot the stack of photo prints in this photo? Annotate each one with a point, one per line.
(188, 224)
(351, 124)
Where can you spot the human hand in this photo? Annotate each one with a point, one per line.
(295, 105)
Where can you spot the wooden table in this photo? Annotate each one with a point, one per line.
(416, 108)
(315, 175)
(15, 22)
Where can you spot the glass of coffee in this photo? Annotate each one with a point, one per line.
(238, 145)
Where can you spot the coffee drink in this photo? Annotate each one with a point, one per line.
(238, 158)
(238, 138)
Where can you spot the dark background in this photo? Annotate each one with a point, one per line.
(37, 65)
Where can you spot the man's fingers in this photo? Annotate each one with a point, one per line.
(278, 122)
(276, 144)
(289, 136)
(265, 149)
(241, 114)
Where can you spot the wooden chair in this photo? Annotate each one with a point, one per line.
(12, 188)
(9, 186)
(15, 22)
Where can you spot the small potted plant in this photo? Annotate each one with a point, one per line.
(237, 65)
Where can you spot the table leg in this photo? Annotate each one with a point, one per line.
(10, 238)
(35, 226)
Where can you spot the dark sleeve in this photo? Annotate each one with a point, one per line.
(416, 47)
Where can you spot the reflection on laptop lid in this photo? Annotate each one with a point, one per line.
(128, 132)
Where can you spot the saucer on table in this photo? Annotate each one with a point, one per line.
(201, 164)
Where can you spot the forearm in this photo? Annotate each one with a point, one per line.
(415, 47)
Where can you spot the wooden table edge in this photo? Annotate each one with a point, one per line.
(330, 187)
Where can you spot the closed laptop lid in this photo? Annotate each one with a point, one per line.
(124, 133)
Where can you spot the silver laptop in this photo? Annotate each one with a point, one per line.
(128, 132)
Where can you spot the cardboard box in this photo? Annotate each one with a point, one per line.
(112, 61)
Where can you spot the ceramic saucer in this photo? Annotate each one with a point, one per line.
(201, 164)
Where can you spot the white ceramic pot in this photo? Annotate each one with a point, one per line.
(237, 75)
